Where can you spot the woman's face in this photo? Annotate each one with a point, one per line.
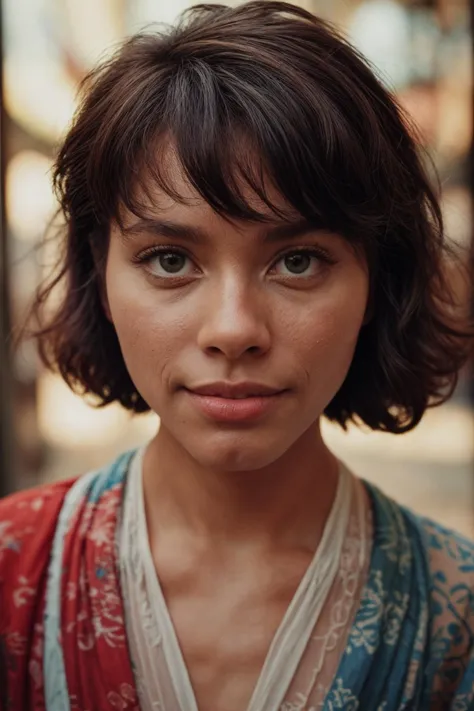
(236, 334)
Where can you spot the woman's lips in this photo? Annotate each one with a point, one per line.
(234, 409)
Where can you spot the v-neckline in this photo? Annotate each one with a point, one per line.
(295, 628)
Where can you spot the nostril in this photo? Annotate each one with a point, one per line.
(253, 350)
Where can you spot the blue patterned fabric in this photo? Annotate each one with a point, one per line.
(411, 646)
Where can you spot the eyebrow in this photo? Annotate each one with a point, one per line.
(289, 230)
(196, 235)
(164, 228)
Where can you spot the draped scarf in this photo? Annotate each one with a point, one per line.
(63, 636)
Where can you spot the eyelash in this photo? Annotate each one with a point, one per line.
(317, 252)
(148, 254)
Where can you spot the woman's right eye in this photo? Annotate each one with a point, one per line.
(169, 263)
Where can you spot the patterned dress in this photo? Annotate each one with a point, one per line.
(393, 630)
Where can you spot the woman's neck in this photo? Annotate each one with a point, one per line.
(283, 504)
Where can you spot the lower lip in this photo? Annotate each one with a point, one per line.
(225, 409)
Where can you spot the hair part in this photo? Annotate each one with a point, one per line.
(326, 134)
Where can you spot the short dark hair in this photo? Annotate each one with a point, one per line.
(334, 143)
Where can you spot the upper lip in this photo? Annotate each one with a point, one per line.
(235, 390)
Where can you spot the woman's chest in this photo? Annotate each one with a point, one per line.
(225, 619)
(224, 642)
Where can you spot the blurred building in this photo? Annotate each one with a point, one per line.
(422, 50)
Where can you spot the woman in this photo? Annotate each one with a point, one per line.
(250, 243)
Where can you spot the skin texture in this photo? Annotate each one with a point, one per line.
(234, 510)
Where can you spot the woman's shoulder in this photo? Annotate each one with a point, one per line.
(27, 523)
(435, 567)
(450, 558)
(450, 561)
(28, 519)
(448, 555)
(448, 549)
(33, 499)
(30, 504)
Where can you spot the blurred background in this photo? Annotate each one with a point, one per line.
(422, 51)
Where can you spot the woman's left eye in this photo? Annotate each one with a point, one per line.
(299, 263)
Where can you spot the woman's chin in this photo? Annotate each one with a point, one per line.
(235, 453)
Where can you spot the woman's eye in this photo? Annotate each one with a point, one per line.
(301, 263)
(169, 264)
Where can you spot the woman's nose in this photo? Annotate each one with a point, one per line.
(234, 323)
